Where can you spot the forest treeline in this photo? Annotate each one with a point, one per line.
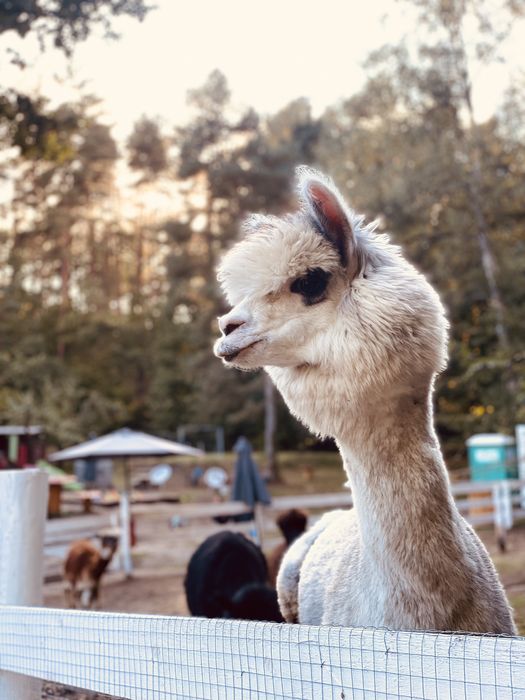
(108, 298)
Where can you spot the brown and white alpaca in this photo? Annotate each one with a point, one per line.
(353, 337)
(292, 524)
(83, 570)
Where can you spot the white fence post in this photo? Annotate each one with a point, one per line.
(502, 497)
(520, 454)
(23, 508)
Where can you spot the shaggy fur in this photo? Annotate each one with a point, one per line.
(227, 577)
(358, 362)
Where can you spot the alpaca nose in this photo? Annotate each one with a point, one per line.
(228, 325)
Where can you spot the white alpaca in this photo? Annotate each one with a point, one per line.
(353, 336)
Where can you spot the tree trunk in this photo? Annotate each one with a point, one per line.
(269, 429)
(65, 278)
(65, 269)
(139, 270)
(471, 144)
(472, 148)
(488, 262)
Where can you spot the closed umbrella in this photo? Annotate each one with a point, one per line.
(248, 485)
(125, 444)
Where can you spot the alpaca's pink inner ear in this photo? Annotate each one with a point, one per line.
(327, 204)
(331, 218)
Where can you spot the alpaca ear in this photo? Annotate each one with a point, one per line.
(325, 209)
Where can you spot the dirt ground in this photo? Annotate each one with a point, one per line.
(511, 568)
(162, 552)
(160, 558)
(53, 690)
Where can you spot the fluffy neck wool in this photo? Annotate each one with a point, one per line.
(407, 517)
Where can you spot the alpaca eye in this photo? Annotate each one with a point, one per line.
(311, 286)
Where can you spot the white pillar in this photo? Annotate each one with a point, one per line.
(502, 499)
(520, 451)
(23, 509)
(125, 534)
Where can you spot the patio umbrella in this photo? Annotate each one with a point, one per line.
(248, 485)
(125, 444)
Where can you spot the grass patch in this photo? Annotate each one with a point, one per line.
(299, 472)
(517, 600)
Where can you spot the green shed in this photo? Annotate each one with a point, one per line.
(492, 456)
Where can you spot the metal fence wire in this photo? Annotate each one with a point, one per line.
(144, 657)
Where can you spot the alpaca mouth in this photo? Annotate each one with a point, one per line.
(229, 357)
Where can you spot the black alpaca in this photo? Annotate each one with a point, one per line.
(227, 577)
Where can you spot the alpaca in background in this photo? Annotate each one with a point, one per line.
(227, 577)
(353, 337)
(83, 570)
(292, 524)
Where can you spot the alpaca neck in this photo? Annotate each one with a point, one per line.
(406, 514)
(408, 521)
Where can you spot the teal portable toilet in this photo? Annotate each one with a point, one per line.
(492, 456)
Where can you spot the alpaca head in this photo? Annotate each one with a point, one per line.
(254, 601)
(330, 308)
(108, 545)
(292, 523)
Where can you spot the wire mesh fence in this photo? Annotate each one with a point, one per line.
(144, 657)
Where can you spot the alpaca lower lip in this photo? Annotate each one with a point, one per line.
(232, 355)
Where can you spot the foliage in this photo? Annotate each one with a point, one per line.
(147, 150)
(65, 22)
(108, 318)
(449, 190)
(24, 120)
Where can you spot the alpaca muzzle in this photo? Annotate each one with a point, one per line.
(228, 351)
(237, 335)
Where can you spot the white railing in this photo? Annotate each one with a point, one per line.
(144, 657)
(497, 503)
(343, 499)
(166, 658)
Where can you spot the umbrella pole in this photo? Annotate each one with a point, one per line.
(125, 524)
(258, 514)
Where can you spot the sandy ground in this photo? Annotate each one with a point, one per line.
(161, 557)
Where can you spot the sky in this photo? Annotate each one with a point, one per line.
(271, 52)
